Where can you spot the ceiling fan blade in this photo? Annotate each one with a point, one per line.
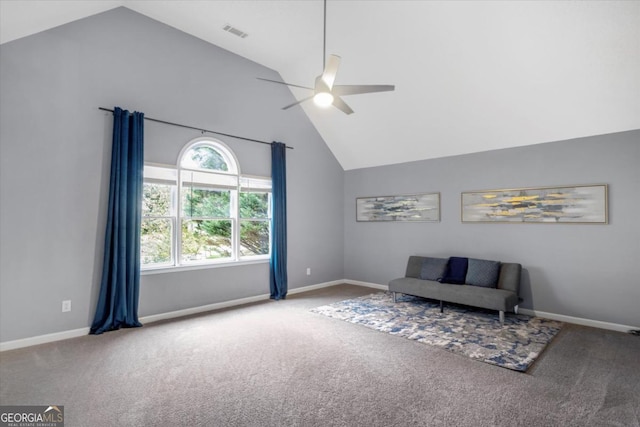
(330, 70)
(341, 90)
(283, 83)
(341, 105)
(297, 102)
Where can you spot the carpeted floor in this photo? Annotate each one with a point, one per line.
(469, 331)
(278, 364)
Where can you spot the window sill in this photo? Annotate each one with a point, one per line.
(221, 264)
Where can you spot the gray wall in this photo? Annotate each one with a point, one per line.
(55, 155)
(587, 271)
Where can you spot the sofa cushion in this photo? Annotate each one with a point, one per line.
(433, 268)
(483, 273)
(456, 271)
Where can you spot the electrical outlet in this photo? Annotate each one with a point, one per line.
(66, 305)
(308, 271)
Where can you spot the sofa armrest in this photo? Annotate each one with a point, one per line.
(509, 278)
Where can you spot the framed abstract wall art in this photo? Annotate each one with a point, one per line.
(413, 207)
(579, 204)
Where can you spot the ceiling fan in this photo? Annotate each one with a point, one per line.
(325, 93)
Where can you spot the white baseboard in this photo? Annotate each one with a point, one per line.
(314, 287)
(202, 309)
(232, 303)
(43, 339)
(578, 320)
(366, 284)
(58, 336)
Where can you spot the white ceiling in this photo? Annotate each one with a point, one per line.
(470, 75)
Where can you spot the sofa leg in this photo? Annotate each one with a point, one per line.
(394, 297)
(441, 307)
(515, 309)
(502, 318)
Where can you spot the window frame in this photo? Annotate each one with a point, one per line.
(242, 185)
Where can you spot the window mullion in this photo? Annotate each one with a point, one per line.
(235, 222)
(178, 230)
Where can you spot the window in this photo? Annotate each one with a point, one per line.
(204, 211)
(255, 216)
(158, 216)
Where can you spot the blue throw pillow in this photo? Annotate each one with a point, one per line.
(483, 273)
(456, 271)
(433, 268)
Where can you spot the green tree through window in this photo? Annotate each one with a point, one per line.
(254, 223)
(156, 225)
(205, 157)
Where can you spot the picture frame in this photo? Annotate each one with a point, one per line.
(422, 207)
(569, 204)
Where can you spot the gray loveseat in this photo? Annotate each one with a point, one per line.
(503, 297)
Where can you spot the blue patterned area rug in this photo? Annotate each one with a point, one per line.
(474, 333)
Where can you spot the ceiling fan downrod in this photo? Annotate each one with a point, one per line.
(324, 36)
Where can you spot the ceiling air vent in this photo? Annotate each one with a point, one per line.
(235, 31)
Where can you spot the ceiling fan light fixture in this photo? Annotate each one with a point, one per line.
(323, 99)
(323, 89)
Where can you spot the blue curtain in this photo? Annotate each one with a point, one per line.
(278, 261)
(118, 301)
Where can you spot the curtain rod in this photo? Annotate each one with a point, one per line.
(200, 129)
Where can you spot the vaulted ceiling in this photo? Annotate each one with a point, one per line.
(470, 75)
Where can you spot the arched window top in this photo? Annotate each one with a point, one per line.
(208, 155)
